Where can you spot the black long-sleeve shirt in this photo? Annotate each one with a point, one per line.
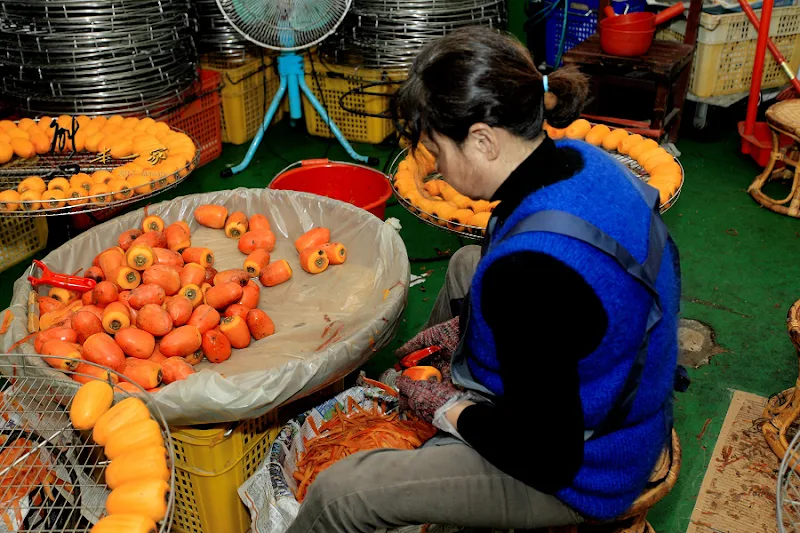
(544, 318)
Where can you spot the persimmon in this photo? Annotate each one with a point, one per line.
(104, 293)
(179, 309)
(178, 237)
(255, 262)
(168, 258)
(237, 310)
(86, 324)
(250, 295)
(135, 342)
(175, 369)
(276, 273)
(236, 275)
(181, 342)
(47, 304)
(211, 216)
(166, 277)
(259, 222)
(216, 346)
(193, 293)
(202, 256)
(116, 317)
(313, 237)
(259, 324)
(236, 330)
(423, 373)
(61, 333)
(140, 256)
(256, 239)
(146, 294)
(101, 349)
(63, 355)
(236, 225)
(221, 296)
(154, 319)
(336, 252)
(192, 274)
(145, 373)
(125, 278)
(152, 223)
(127, 237)
(95, 273)
(153, 239)
(314, 260)
(204, 318)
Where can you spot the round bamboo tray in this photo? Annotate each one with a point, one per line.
(477, 233)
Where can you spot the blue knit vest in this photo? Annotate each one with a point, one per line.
(616, 466)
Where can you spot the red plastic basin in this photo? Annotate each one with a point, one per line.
(625, 43)
(361, 186)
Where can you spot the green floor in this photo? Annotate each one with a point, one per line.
(740, 266)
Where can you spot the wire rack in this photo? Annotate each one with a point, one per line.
(135, 57)
(477, 233)
(52, 474)
(218, 37)
(390, 33)
(50, 166)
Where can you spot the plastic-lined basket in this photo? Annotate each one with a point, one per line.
(20, 238)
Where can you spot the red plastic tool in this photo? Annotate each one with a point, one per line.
(62, 281)
(414, 358)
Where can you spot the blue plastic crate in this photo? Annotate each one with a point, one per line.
(581, 22)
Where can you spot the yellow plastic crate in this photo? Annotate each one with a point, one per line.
(21, 238)
(338, 80)
(210, 465)
(243, 97)
(726, 46)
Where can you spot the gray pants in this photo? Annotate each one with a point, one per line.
(459, 275)
(450, 484)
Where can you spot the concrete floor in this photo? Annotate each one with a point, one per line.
(740, 269)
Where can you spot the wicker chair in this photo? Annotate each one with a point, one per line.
(783, 409)
(783, 119)
(664, 477)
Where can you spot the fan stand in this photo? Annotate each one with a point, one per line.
(292, 78)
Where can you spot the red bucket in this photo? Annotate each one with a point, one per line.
(361, 186)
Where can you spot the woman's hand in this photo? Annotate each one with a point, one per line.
(424, 398)
(445, 335)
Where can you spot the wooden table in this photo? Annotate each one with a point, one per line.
(664, 70)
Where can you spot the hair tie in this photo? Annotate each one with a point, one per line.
(544, 84)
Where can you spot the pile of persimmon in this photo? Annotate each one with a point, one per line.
(155, 157)
(256, 240)
(158, 309)
(138, 473)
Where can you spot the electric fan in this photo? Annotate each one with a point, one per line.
(288, 26)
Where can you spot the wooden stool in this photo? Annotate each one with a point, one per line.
(663, 478)
(783, 118)
(783, 409)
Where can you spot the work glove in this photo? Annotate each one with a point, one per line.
(424, 398)
(445, 335)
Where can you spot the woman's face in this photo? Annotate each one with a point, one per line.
(463, 166)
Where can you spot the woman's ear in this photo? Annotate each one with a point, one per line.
(485, 140)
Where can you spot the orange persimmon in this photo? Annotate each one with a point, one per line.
(193, 293)
(84, 373)
(153, 239)
(181, 342)
(104, 293)
(64, 355)
(236, 225)
(168, 258)
(276, 273)
(152, 223)
(423, 373)
(166, 277)
(221, 296)
(146, 294)
(337, 253)
(140, 257)
(47, 304)
(314, 260)
(313, 237)
(204, 318)
(202, 256)
(250, 295)
(237, 310)
(115, 317)
(94, 273)
(154, 319)
(236, 275)
(193, 359)
(216, 346)
(127, 237)
(145, 373)
(179, 309)
(175, 369)
(236, 330)
(192, 274)
(259, 222)
(255, 262)
(178, 237)
(256, 239)
(135, 342)
(110, 260)
(259, 324)
(62, 295)
(125, 278)
(211, 216)
(61, 333)
(86, 324)
(102, 350)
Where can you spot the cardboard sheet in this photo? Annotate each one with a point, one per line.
(327, 325)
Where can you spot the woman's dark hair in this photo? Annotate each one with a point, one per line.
(477, 74)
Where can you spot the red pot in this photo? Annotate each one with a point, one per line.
(643, 21)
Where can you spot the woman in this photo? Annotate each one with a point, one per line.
(564, 353)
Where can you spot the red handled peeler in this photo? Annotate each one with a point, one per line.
(414, 358)
(54, 279)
